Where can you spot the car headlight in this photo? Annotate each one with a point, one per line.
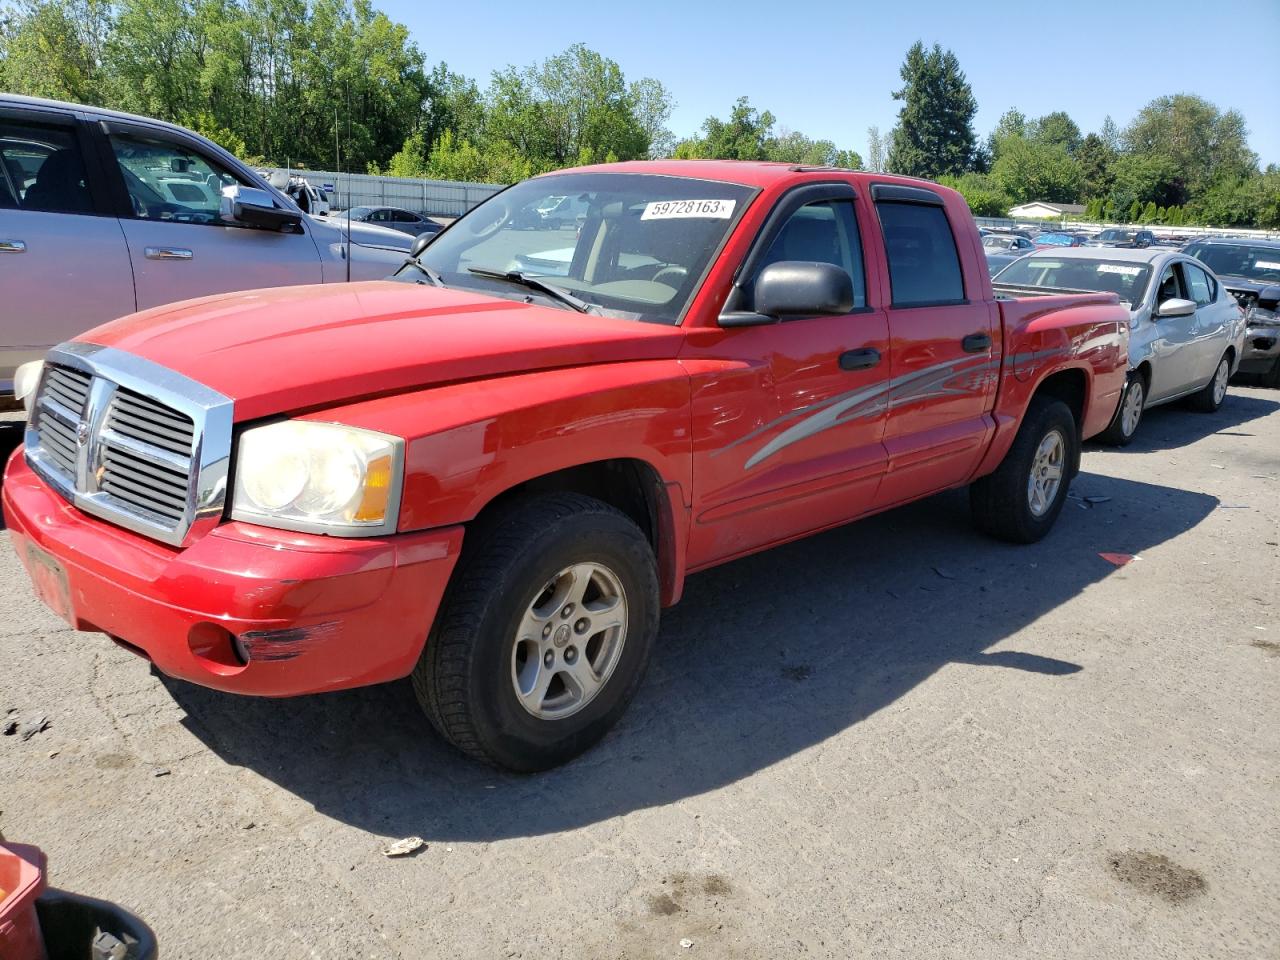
(1260, 316)
(25, 381)
(319, 478)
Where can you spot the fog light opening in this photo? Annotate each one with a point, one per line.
(217, 648)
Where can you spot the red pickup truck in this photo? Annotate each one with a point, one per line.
(491, 471)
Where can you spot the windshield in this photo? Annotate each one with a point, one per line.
(1240, 260)
(997, 243)
(629, 245)
(1124, 236)
(358, 212)
(1057, 239)
(1129, 280)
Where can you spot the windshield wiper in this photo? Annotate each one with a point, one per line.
(435, 278)
(534, 283)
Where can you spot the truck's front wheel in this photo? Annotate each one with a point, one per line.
(1021, 500)
(545, 633)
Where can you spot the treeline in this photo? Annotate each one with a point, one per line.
(335, 83)
(1180, 161)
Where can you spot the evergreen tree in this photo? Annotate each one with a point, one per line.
(1108, 211)
(934, 135)
(1135, 211)
(1095, 159)
(1161, 214)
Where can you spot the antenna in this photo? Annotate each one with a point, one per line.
(349, 251)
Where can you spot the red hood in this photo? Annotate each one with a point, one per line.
(289, 348)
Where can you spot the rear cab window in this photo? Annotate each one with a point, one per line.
(42, 168)
(924, 266)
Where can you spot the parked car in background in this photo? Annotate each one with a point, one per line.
(493, 481)
(394, 218)
(997, 261)
(103, 213)
(1186, 334)
(1007, 243)
(1057, 240)
(1250, 270)
(1114, 237)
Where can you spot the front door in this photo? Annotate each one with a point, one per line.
(179, 245)
(1173, 343)
(791, 442)
(946, 354)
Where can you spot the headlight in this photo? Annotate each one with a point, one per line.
(318, 477)
(1260, 315)
(25, 380)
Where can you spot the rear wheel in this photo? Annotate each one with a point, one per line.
(1020, 501)
(1132, 403)
(1210, 398)
(544, 635)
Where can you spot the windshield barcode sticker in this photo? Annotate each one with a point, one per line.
(685, 209)
(1266, 265)
(1117, 268)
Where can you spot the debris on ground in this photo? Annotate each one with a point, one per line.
(405, 847)
(1094, 501)
(10, 726)
(944, 573)
(686, 943)
(160, 772)
(1119, 559)
(32, 727)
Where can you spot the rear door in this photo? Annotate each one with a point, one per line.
(64, 266)
(796, 436)
(179, 245)
(1215, 315)
(945, 356)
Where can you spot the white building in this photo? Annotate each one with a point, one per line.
(1041, 210)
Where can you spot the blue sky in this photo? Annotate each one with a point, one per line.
(828, 68)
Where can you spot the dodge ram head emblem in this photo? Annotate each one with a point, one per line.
(82, 433)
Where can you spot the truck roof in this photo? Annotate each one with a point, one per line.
(749, 173)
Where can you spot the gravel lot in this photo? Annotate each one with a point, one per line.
(893, 740)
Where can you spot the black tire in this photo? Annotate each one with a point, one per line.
(1000, 501)
(1207, 399)
(463, 680)
(1116, 435)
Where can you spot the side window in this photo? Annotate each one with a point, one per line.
(825, 232)
(1198, 284)
(924, 268)
(41, 168)
(166, 181)
(404, 216)
(1170, 286)
(380, 216)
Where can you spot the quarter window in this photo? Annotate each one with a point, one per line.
(825, 232)
(924, 268)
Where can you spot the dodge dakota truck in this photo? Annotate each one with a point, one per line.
(493, 470)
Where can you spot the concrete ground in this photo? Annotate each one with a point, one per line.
(895, 740)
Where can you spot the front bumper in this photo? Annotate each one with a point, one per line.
(312, 613)
(1261, 348)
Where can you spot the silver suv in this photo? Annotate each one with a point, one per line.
(104, 213)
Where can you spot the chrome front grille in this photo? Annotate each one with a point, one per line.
(131, 442)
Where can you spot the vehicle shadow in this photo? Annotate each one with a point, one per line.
(763, 658)
(1175, 425)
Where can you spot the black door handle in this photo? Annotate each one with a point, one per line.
(976, 343)
(859, 359)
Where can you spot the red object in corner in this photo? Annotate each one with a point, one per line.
(21, 882)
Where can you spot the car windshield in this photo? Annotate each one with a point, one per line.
(358, 212)
(1123, 236)
(1057, 239)
(1128, 280)
(1240, 260)
(629, 245)
(997, 243)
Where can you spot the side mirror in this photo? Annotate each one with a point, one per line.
(1176, 307)
(796, 288)
(419, 244)
(251, 207)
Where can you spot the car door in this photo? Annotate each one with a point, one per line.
(1213, 322)
(790, 428)
(179, 245)
(1173, 341)
(64, 266)
(945, 358)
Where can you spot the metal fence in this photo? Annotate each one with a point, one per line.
(437, 198)
(1160, 230)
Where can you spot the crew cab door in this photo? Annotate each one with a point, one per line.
(945, 353)
(64, 266)
(169, 193)
(788, 428)
(1214, 315)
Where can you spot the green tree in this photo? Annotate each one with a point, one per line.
(1095, 159)
(1268, 202)
(1109, 211)
(795, 147)
(1149, 213)
(1135, 211)
(1055, 129)
(1012, 123)
(980, 192)
(934, 134)
(53, 48)
(1143, 177)
(745, 135)
(1202, 144)
(875, 150)
(1033, 171)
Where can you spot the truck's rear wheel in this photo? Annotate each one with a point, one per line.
(1021, 500)
(544, 635)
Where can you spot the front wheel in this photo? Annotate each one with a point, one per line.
(544, 635)
(1209, 399)
(1132, 403)
(1020, 501)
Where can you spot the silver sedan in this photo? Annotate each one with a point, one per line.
(1186, 332)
